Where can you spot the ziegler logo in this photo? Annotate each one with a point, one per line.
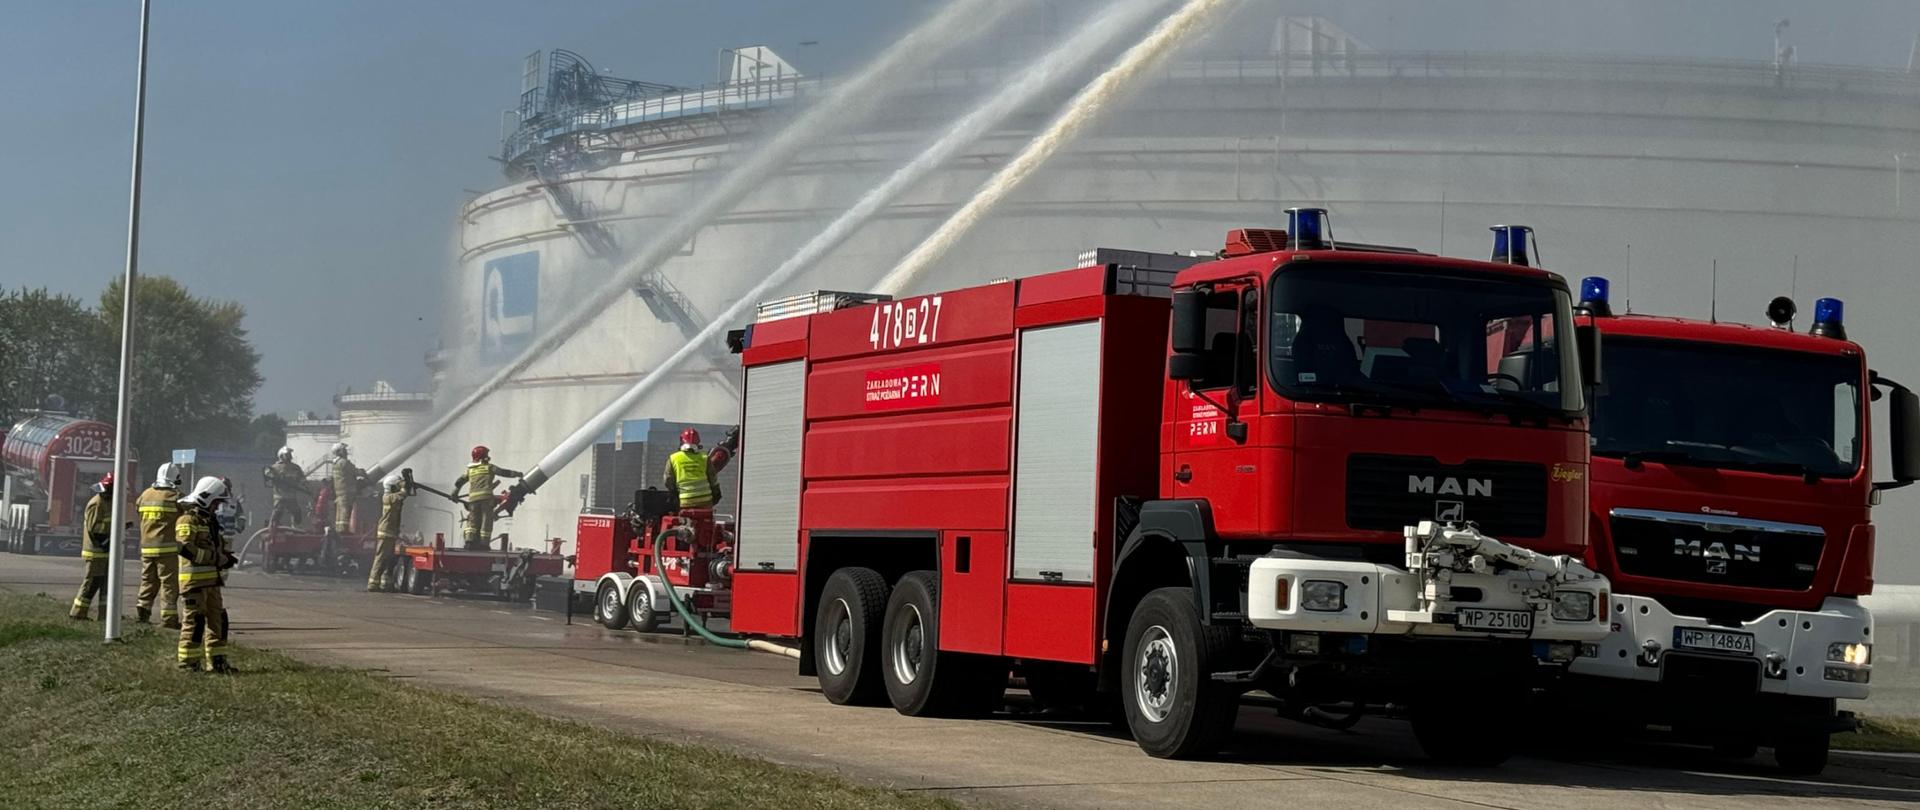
(1432, 485)
(1716, 554)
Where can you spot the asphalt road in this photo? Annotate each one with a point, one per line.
(662, 685)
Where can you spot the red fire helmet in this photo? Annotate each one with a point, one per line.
(689, 436)
(479, 452)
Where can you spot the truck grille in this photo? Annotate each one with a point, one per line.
(1716, 550)
(1504, 498)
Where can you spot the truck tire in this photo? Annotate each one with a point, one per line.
(846, 637)
(1173, 706)
(1459, 730)
(1802, 753)
(608, 608)
(921, 679)
(640, 612)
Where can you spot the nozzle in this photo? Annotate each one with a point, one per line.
(510, 500)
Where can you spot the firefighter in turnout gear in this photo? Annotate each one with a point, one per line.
(288, 483)
(480, 479)
(386, 547)
(347, 481)
(691, 475)
(204, 559)
(95, 550)
(159, 509)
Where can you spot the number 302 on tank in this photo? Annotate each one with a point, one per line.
(905, 323)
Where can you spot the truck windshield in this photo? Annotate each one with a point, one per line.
(1737, 407)
(1420, 338)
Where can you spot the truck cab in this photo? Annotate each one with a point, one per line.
(1732, 489)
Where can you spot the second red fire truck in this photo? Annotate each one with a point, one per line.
(1732, 483)
(1281, 470)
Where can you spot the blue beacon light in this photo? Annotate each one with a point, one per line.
(1829, 318)
(1309, 229)
(1513, 244)
(1594, 296)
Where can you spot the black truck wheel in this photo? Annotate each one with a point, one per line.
(846, 636)
(1173, 706)
(921, 679)
(640, 612)
(608, 608)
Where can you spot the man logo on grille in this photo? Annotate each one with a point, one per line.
(1432, 485)
(1716, 554)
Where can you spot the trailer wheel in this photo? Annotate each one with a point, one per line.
(419, 582)
(846, 636)
(640, 607)
(1173, 706)
(608, 608)
(1453, 731)
(922, 680)
(1803, 753)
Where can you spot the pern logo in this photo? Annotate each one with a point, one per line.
(1431, 485)
(1716, 550)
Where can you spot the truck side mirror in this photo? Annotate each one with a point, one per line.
(1189, 338)
(1587, 343)
(1903, 433)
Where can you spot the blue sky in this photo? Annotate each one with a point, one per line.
(306, 159)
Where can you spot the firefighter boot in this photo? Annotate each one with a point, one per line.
(221, 667)
(143, 615)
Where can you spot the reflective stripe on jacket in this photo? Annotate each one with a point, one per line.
(159, 510)
(689, 470)
(201, 549)
(98, 528)
(392, 505)
(482, 477)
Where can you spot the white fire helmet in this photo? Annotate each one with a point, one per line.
(207, 491)
(392, 482)
(170, 475)
(285, 454)
(340, 449)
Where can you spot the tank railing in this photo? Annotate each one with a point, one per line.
(706, 99)
(1262, 69)
(383, 396)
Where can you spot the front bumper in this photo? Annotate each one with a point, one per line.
(1383, 600)
(1789, 647)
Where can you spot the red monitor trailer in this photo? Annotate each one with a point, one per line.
(1022, 476)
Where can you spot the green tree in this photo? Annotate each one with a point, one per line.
(53, 346)
(194, 371)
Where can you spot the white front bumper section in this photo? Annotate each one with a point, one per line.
(1384, 600)
(1790, 646)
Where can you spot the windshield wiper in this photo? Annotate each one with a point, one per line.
(1735, 458)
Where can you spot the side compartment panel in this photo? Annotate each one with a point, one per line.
(1056, 461)
(766, 604)
(973, 579)
(1050, 622)
(770, 435)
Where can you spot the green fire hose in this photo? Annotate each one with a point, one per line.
(686, 615)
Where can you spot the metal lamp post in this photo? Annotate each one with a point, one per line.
(120, 421)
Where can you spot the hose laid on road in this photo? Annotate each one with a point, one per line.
(686, 615)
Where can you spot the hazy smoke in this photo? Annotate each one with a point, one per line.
(1067, 57)
(844, 105)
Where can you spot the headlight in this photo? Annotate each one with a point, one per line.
(1572, 606)
(1841, 652)
(1323, 595)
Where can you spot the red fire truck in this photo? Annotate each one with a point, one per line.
(51, 462)
(1269, 471)
(1732, 482)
